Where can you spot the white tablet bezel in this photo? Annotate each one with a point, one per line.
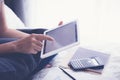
(44, 55)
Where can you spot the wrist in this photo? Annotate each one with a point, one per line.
(7, 48)
(14, 46)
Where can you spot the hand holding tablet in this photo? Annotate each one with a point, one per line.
(64, 36)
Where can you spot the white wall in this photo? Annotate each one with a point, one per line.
(99, 20)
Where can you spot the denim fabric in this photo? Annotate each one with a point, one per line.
(4, 40)
(18, 66)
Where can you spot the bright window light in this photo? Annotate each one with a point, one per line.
(99, 20)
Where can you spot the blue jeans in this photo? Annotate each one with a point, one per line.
(18, 66)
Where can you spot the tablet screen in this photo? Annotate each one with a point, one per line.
(64, 36)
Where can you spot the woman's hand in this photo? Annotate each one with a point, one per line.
(31, 44)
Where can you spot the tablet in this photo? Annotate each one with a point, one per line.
(65, 36)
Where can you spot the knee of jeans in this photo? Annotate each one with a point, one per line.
(8, 75)
(10, 71)
(7, 72)
(5, 65)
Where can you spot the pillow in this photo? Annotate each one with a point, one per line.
(12, 20)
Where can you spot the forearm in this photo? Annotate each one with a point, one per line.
(12, 33)
(4, 30)
(7, 48)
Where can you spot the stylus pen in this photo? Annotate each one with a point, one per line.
(67, 74)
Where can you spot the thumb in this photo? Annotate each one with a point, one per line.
(60, 23)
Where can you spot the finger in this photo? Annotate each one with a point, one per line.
(42, 37)
(37, 42)
(60, 23)
(46, 37)
(36, 47)
(33, 51)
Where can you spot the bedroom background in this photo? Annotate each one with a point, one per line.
(99, 20)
